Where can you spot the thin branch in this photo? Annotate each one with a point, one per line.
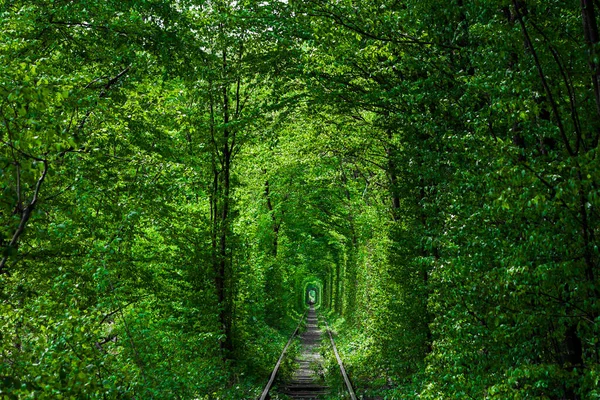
(119, 310)
(568, 85)
(22, 152)
(89, 26)
(538, 66)
(102, 95)
(19, 194)
(552, 195)
(54, 196)
(408, 39)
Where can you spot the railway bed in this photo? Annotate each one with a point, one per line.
(307, 382)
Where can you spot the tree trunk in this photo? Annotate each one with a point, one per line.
(276, 224)
(590, 30)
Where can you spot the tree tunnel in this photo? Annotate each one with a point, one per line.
(312, 292)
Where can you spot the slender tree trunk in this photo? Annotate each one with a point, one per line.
(350, 279)
(336, 295)
(590, 30)
(25, 213)
(276, 224)
(393, 176)
(224, 274)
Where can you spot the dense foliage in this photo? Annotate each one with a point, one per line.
(177, 176)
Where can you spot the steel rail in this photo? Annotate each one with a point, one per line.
(265, 392)
(339, 360)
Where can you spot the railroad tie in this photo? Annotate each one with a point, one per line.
(306, 383)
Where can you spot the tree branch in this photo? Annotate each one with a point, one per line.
(538, 66)
(26, 214)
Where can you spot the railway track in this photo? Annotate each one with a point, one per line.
(307, 383)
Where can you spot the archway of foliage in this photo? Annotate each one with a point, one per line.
(174, 177)
(316, 287)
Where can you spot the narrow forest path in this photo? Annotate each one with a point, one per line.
(306, 382)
